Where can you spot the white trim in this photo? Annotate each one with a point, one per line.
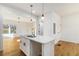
(70, 41)
(56, 41)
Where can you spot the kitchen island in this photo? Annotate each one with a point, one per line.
(37, 46)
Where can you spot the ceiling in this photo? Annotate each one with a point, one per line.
(60, 8)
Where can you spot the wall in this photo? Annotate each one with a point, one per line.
(1, 41)
(70, 28)
(24, 28)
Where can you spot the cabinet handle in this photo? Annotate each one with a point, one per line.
(24, 44)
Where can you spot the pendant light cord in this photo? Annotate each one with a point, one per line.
(31, 11)
(42, 9)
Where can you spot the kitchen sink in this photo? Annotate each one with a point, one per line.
(32, 36)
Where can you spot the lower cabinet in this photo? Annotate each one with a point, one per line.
(25, 46)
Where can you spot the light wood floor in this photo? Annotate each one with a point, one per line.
(11, 48)
(63, 48)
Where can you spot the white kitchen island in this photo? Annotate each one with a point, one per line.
(40, 45)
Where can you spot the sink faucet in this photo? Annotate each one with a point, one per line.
(33, 34)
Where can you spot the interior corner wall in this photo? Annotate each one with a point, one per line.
(70, 28)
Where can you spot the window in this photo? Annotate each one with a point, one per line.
(5, 29)
(9, 29)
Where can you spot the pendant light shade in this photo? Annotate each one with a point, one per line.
(42, 16)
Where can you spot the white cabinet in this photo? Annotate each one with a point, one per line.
(25, 45)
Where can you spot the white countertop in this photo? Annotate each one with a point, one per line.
(40, 39)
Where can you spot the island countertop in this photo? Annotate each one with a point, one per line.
(39, 39)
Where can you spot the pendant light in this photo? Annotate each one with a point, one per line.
(42, 17)
(18, 19)
(31, 11)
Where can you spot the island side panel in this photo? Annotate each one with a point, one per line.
(48, 49)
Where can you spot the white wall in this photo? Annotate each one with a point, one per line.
(70, 28)
(24, 28)
(1, 40)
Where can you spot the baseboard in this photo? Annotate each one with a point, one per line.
(70, 41)
(56, 41)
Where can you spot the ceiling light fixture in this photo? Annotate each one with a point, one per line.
(42, 17)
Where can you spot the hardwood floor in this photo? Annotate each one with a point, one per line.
(63, 48)
(11, 48)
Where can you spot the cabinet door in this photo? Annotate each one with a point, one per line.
(25, 45)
